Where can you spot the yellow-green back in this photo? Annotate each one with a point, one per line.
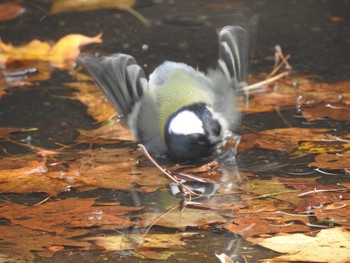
(181, 89)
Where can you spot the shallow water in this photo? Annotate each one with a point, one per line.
(181, 31)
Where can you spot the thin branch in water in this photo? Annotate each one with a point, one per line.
(264, 82)
(322, 190)
(139, 16)
(182, 188)
(158, 218)
(43, 201)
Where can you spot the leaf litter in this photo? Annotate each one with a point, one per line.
(251, 208)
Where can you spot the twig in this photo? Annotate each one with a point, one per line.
(43, 201)
(278, 67)
(322, 190)
(266, 81)
(139, 16)
(158, 218)
(182, 188)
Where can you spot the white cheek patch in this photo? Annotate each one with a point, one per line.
(186, 122)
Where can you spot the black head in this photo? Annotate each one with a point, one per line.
(192, 132)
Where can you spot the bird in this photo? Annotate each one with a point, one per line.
(179, 111)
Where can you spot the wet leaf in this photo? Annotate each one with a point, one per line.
(29, 178)
(277, 99)
(337, 19)
(182, 219)
(336, 145)
(335, 213)
(25, 72)
(254, 224)
(60, 55)
(18, 242)
(5, 132)
(328, 161)
(154, 246)
(284, 139)
(138, 241)
(329, 245)
(92, 97)
(73, 213)
(298, 90)
(67, 49)
(60, 6)
(112, 131)
(335, 111)
(9, 11)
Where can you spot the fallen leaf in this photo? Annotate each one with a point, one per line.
(5, 132)
(111, 131)
(25, 72)
(21, 242)
(284, 139)
(337, 19)
(224, 258)
(277, 99)
(182, 219)
(138, 241)
(329, 245)
(260, 223)
(336, 213)
(67, 49)
(60, 216)
(61, 6)
(334, 111)
(336, 145)
(9, 11)
(329, 161)
(296, 90)
(61, 55)
(93, 98)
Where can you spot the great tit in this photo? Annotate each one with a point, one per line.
(178, 111)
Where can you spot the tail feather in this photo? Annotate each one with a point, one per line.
(235, 50)
(119, 76)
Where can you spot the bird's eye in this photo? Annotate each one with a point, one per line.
(216, 128)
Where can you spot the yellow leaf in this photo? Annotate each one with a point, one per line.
(35, 49)
(61, 55)
(67, 49)
(329, 245)
(61, 6)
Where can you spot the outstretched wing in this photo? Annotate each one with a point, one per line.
(120, 77)
(235, 49)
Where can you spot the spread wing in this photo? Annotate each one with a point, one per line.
(120, 77)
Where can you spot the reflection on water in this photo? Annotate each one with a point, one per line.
(181, 31)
